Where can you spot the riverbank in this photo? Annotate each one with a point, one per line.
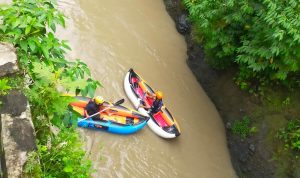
(261, 154)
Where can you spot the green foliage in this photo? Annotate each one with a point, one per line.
(48, 102)
(16, 82)
(33, 168)
(290, 135)
(77, 71)
(220, 25)
(60, 156)
(262, 37)
(4, 87)
(242, 128)
(30, 25)
(43, 94)
(286, 102)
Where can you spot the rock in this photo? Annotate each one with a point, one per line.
(228, 125)
(244, 169)
(243, 157)
(249, 168)
(1, 173)
(171, 4)
(183, 25)
(192, 65)
(230, 143)
(8, 60)
(252, 148)
(173, 8)
(17, 133)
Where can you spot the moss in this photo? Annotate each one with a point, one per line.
(277, 109)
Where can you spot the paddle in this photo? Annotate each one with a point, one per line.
(119, 102)
(115, 104)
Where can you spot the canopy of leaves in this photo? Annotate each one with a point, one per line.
(30, 25)
(262, 37)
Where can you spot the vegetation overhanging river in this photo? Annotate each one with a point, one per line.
(111, 37)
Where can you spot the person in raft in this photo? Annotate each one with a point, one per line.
(94, 106)
(157, 103)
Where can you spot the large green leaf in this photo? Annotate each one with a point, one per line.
(23, 45)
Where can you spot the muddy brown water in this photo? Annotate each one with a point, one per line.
(112, 36)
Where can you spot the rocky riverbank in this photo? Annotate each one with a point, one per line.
(251, 157)
(17, 135)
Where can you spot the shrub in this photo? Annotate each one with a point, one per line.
(59, 156)
(30, 25)
(242, 127)
(290, 135)
(262, 37)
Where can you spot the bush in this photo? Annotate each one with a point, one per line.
(262, 37)
(242, 128)
(30, 25)
(290, 135)
(63, 156)
(59, 156)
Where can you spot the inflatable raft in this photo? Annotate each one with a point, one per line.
(162, 122)
(116, 118)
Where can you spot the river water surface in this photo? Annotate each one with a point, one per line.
(112, 36)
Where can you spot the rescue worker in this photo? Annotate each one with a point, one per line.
(93, 107)
(157, 103)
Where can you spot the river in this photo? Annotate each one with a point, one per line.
(112, 36)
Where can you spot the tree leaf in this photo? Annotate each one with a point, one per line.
(23, 45)
(32, 45)
(62, 21)
(16, 23)
(53, 27)
(68, 168)
(27, 29)
(45, 52)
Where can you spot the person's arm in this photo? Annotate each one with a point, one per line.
(150, 95)
(87, 108)
(86, 113)
(160, 105)
(143, 106)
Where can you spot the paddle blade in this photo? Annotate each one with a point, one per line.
(119, 102)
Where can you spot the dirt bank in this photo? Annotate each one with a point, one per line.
(251, 156)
